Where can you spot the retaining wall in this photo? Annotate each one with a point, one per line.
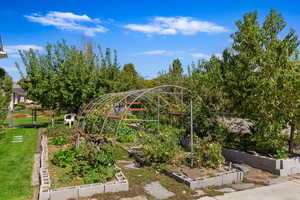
(281, 167)
(224, 178)
(75, 192)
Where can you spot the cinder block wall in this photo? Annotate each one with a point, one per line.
(281, 167)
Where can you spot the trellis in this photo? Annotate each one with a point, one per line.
(115, 108)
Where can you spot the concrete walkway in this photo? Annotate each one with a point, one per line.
(284, 191)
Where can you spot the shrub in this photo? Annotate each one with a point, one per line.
(64, 158)
(87, 162)
(59, 141)
(58, 131)
(160, 148)
(207, 153)
(126, 134)
(20, 106)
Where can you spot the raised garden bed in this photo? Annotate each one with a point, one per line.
(202, 178)
(281, 167)
(194, 178)
(79, 191)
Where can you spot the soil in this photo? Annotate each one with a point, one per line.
(46, 115)
(20, 115)
(257, 176)
(195, 173)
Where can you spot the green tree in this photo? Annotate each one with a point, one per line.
(65, 77)
(258, 78)
(131, 78)
(5, 95)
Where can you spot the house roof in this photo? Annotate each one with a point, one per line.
(18, 90)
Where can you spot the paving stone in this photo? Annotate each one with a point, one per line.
(124, 161)
(297, 176)
(135, 198)
(241, 167)
(35, 180)
(276, 180)
(198, 193)
(206, 198)
(226, 190)
(130, 166)
(243, 186)
(156, 190)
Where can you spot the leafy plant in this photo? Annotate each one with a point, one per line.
(126, 134)
(281, 154)
(64, 158)
(59, 140)
(207, 153)
(87, 162)
(160, 148)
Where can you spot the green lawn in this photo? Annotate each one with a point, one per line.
(27, 121)
(16, 160)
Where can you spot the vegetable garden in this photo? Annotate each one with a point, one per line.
(160, 122)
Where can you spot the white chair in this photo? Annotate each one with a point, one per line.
(69, 119)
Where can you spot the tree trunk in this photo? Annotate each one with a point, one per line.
(292, 136)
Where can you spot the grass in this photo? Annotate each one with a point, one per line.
(16, 160)
(26, 122)
(138, 178)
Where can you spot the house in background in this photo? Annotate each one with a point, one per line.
(18, 96)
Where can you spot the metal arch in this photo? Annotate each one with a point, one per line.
(136, 94)
(146, 91)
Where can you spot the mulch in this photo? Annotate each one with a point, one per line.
(20, 115)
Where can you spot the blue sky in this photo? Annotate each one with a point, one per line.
(149, 33)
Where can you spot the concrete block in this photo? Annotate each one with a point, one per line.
(90, 190)
(44, 195)
(282, 167)
(115, 186)
(64, 193)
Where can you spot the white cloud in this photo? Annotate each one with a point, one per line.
(69, 21)
(154, 52)
(205, 56)
(176, 25)
(200, 56)
(12, 50)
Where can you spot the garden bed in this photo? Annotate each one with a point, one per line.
(193, 177)
(120, 183)
(202, 178)
(281, 167)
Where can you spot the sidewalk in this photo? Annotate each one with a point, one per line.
(284, 191)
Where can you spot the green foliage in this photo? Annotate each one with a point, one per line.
(59, 140)
(160, 148)
(65, 77)
(5, 96)
(281, 154)
(126, 134)
(87, 162)
(64, 158)
(255, 79)
(58, 130)
(20, 106)
(207, 153)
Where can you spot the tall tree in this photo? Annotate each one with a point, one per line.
(65, 77)
(130, 78)
(258, 76)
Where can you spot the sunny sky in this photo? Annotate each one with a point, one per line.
(148, 33)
